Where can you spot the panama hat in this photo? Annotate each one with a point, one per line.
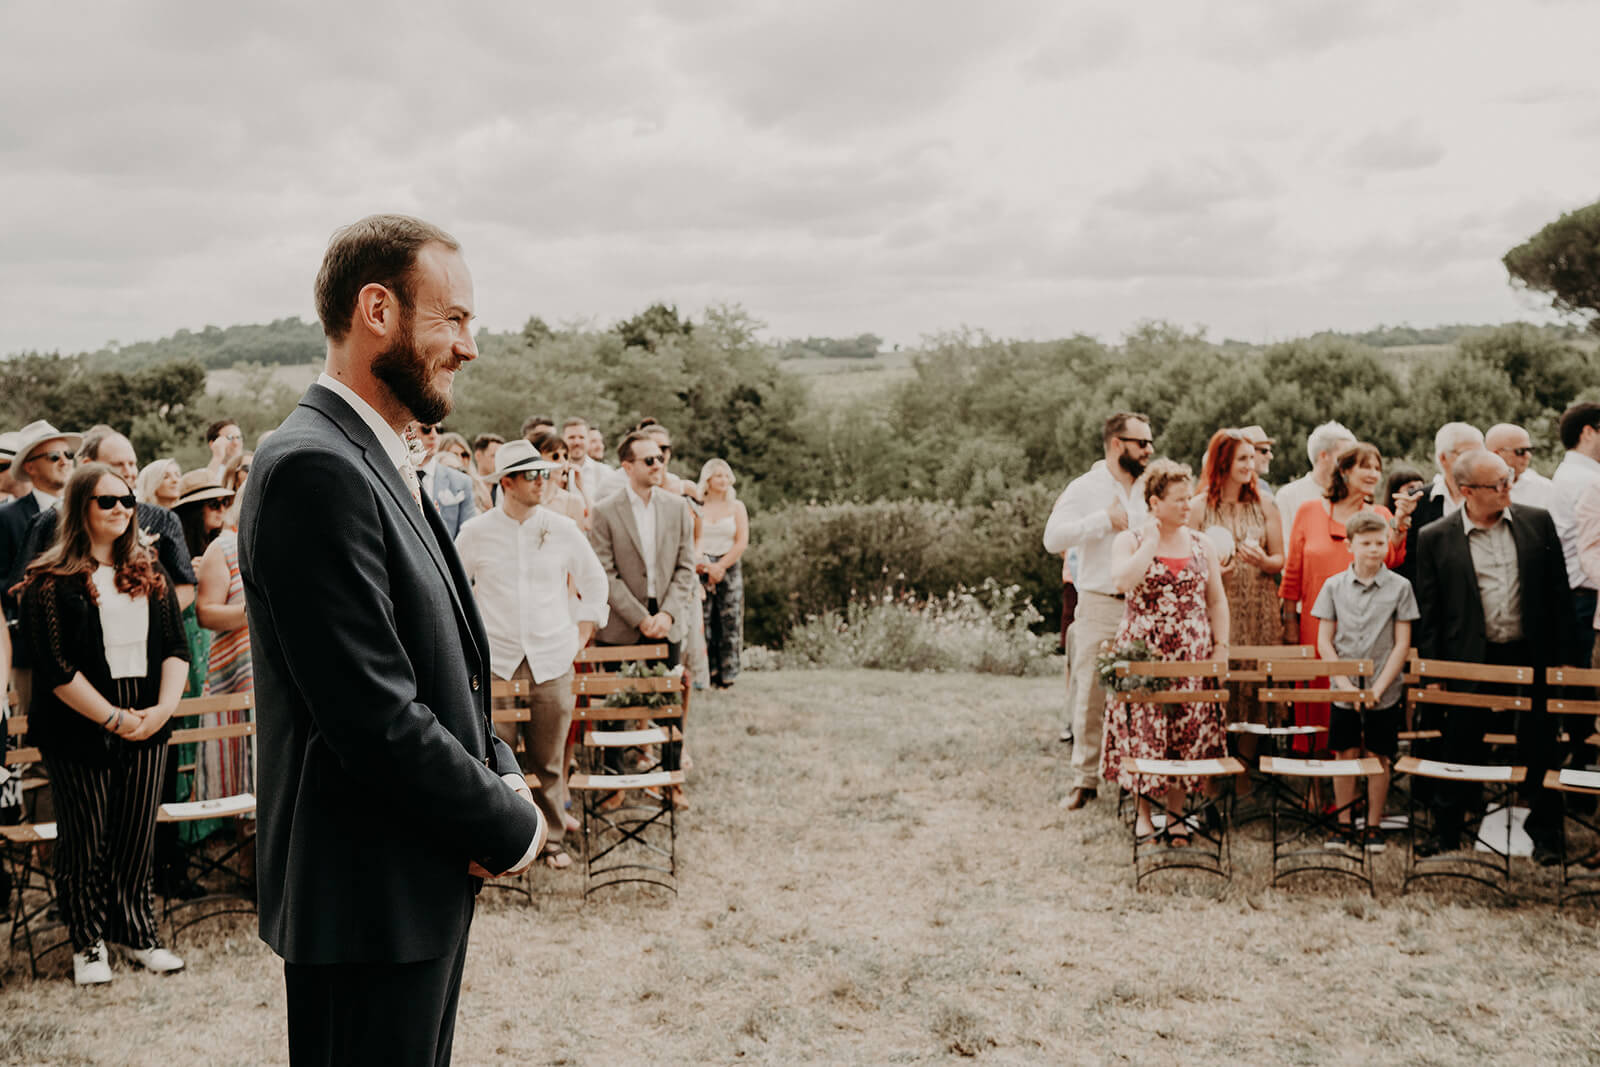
(513, 457)
(31, 436)
(200, 485)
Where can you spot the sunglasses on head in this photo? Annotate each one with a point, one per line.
(107, 501)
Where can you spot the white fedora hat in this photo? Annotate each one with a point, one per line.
(37, 433)
(519, 455)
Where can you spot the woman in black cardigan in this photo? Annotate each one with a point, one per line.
(109, 666)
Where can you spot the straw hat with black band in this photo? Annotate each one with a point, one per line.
(35, 435)
(200, 485)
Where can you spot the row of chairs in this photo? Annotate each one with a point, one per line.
(228, 875)
(1301, 822)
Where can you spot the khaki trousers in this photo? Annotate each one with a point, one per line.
(544, 742)
(1099, 616)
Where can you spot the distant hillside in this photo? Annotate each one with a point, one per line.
(284, 342)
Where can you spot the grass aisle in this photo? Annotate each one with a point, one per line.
(875, 871)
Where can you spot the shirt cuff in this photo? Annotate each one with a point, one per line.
(532, 853)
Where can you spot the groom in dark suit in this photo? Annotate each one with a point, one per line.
(1492, 587)
(384, 795)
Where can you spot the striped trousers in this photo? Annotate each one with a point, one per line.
(105, 844)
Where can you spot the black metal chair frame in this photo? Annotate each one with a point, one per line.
(1583, 883)
(1279, 789)
(1246, 667)
(1313, 826)
(30, 878)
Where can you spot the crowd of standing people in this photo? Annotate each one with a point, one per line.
(1489, 563)
(124, 589)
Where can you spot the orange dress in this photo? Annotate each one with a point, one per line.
(1317, 551)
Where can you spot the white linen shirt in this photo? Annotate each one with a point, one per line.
(644, 519)
(1079, 520)
(1576, 472)
(1532, 490)
(519, 572)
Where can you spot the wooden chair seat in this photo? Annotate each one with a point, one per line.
(654, 735)
(614, 782)
(1184, 768)
(1489, 774)
(1364, 767)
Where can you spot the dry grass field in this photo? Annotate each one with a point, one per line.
(875, 870)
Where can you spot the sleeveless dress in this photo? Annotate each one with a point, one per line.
(227, 766)
(1167, 610)
(1254, 609)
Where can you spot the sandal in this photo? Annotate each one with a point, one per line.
(555, 857)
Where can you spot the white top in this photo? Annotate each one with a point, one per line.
(1291, 497)
(717, 536)
(1079, 520)
(519, 572)
(125, 624)
(644, 519)
(1532, 490)
(400, 456)
(1576, 471)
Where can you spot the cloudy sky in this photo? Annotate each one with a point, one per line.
(1033, 169)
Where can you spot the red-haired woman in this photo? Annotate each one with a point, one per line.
(109, 665)
(1251, 552)
(1318, 549)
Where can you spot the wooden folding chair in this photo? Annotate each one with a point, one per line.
(33, 887)
(1500, 780)
(627, 815)
(1209, 849)
(1581, 878)
(1247, 667)
(231, 872)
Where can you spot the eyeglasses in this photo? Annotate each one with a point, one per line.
(1142, 442)
(1528, 451)
(233, 437)
(107, 501)
(542, 474)
(427, 431)
(1497, 487)
(55, 457)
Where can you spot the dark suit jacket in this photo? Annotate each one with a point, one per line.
(616, 540)
(378, 770)
(15, 518)
(1452, 625)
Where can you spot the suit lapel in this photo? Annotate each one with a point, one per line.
(664, 567)
(625, 511)
(423, 523)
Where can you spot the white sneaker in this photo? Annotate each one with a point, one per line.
(157, 960)
(90, 967)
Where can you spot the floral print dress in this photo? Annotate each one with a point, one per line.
(1167, 611)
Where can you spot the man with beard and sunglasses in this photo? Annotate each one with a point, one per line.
(1088, 516)
(384, 796)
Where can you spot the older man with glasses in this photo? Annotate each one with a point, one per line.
(520, 557)
(1088, 516)
(1512, 444)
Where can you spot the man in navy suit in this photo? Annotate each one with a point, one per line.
(384, 796)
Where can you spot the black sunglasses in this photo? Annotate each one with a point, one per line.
(107, 501)
(54, 457)
(651, 461)
(1142, 442)
(429, 430)
(1528, 451)
(542, 474)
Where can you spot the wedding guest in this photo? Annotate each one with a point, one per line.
(225, 441)
(724, 536)
(225, 766)
(1512, 444)
(109, 666)
(1323, 445)
(1177, 606)
(158, 483)
(1452, 440)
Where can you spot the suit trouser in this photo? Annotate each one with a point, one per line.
(389, 1014)
(670, 754)
(544, 742)
(1097, 620)
(107, 819)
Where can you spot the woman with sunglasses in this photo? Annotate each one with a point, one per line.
(564, 495)
(109, 666)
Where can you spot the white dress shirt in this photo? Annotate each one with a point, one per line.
(644, 519)
(1575, 473)
(45, 500)
(519, 571)
(400, 456)
(1079, 520)
(1532, 490)
(1289, 499)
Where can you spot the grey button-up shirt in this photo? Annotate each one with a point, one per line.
(1494, 558)
(1366, 613)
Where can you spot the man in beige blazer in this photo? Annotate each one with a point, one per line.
(644, 537)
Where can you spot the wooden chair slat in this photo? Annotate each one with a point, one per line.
(1316, 696)
(510, 715)
(620, 653)
(17, 725)
(601, 684)
(23, 755)
(1174, 696)
(214, 704)
(1491, 701)
(1431, 670)
(1309, 670)
(1259, 652)
(599, 713)
(212, 733)
(1573, 707)
(506, 688)
(1572, 675)
(1202, 668)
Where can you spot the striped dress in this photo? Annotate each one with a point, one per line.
(225, 767)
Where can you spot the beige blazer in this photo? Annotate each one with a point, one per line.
(615, 537)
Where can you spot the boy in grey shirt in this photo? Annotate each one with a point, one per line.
(1366, 612)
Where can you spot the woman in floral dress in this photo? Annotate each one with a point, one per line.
(1176, 605)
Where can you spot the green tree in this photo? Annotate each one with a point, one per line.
(652, 326)
(1563, 260)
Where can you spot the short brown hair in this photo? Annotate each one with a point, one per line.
(1359, 454)
(1365, 522)
(1163, 474)
(625, 449)
(1115, 424)
(380, 249)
